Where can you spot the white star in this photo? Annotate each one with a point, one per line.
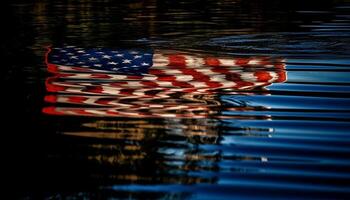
(87, 54)
(97, 65)
(70, 54)
(115, 69)
(134, 52)
(92, 59)
(137, 56)
(107, 56)
(80, 63)
(112, 63)
(120, 55)
(134, 66)
(126, 61)
(100, 52)
(145, 64)
(74, 57)
(115, 51)
(81, 51)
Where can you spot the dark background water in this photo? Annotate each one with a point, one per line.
(288, 141)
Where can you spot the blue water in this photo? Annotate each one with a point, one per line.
(285, 140)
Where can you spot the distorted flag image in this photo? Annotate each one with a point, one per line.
(101, 82)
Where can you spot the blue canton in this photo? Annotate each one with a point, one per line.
(118, 61)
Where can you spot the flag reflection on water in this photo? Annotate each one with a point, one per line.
(159, 84)
(179, 99)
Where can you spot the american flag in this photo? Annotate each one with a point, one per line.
(143, 83)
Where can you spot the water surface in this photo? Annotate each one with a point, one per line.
(281, 139)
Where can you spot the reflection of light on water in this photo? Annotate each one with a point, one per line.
(139, 130)
(178, 141)
(264, 159)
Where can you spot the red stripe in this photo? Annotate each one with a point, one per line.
(241, 84)
(50, 87)
(212, 61)
(177, 60)
(113, 113)
(126, 91)
(149, 83)
(242, 61)
(52, 68)
(51, 98)
(94, 89)
(167, 78)
(103, 101)
(263, 76)
(182, 84)
(282, 76)
(134, 77)
(82, 112)
(101, 76)
(155, 71)
(77, 99)
(52, 111)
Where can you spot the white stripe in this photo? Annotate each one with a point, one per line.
(129, 113)
(184, 78)
(118, 77)
(76, 90)
(164, 84)
(249, 77)
(69, 68)
(108, 90)
(226, 62)
(197, 84)
(164, 115)
(218, 78)
(116, 103)
(135, 84)
(138, 93)
(228, 84)
(160, 60)
(206, 71)
(254, 62)
(61, 99)
(71, 112)
(97, 112)
(91, 101)
(78, 76)
(172, 72)
(274, 76)
(194, 61)
(149, 78)
(176, 108)
(155, 105)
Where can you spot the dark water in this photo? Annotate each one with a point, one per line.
(287, 139)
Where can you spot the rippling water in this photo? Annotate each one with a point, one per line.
(278, 138)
